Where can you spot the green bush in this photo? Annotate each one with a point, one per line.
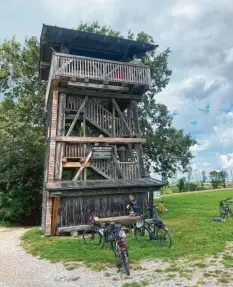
(191, 186)
(175, 189)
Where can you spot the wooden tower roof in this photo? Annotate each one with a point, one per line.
(86, 44)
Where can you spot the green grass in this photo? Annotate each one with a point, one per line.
(189, 219)
(228, 261)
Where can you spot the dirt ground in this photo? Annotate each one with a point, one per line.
(19, 269)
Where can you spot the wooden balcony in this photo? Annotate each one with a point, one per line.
(91, 71)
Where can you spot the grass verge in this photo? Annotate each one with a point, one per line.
(189, 219)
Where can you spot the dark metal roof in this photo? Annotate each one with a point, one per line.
(103, 184)
(86, 44)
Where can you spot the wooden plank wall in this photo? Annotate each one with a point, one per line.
(75, 210)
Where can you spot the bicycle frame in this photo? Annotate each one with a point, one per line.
(225, 207)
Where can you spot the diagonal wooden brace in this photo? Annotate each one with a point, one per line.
(121, 115)
(77, 116)
(83, 166)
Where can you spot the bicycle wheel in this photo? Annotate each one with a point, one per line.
(115, 248)
(125, 259)
(222, 213)
(230, 212)
(92, 237)
(141, 232)
(163, 237)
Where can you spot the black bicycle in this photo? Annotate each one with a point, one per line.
(153, 228)
(93, 234)
(225, 208)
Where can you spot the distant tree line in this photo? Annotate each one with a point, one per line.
(217, 180)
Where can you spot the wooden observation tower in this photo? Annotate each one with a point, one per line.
(94, 154)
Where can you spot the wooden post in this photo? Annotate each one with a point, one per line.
(60, 132)
(53, 132)
(51, 162)
(48, 217)
(56, 203)
(114, 128)
(151, 198)
(139, 148)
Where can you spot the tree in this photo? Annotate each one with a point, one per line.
(204, 178)
(22, 132)
(181, 184)
(218, 179)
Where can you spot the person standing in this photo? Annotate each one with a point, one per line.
(133, 204)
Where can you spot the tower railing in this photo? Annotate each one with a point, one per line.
(98, 70)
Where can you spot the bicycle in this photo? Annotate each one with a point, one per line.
(154, 229)
(112, 234)
(120, 246)
(93, 234)
(225, 209)
(98, 233)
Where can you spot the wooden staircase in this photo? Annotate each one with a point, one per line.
(99, 117)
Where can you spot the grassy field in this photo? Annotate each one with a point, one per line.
(189, 219)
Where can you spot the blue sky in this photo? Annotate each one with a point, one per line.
(200, 93)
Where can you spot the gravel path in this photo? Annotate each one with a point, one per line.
(19, 269)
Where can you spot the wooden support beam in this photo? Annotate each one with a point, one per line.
(118, 166)
(134, 107)
(77, 116)
(100, 172)
(56, 204)
(73, 164)
(45, 64)
(60, 132)
(151, 198)
(83, 166)
(139, 151)
(103, 94)
(121, 116)
(98, 127)
(139, 148)
(99, 140)
(131, 152)
(98, 86)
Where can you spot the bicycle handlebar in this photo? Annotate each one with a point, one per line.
(225, 200)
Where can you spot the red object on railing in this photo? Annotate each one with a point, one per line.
(119, 75)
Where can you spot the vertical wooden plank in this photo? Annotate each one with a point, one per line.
(151, 198)
(56, 203)
(60, 132)
(139, 148)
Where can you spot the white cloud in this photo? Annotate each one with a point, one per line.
(88, 10)
(226, 160)
(185, 9)
(224, 135)
(202, 145)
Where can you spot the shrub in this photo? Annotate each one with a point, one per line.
(190, 186)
